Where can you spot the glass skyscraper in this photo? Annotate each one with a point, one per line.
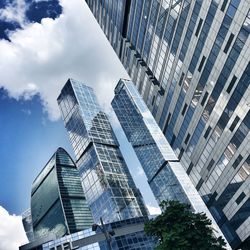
(58, 204)
(27, 224)
(106, 180)
(190, 62)
(166, 176)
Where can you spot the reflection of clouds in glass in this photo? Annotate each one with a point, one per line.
(46, 231)
(153, 210)
(140, 171)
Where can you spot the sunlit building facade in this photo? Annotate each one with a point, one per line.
(58, 204)
(166, 176)
(126, 234)
(190, 62)
(106, 180)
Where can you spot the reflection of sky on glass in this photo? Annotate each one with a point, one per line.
(88, 103)
(151, 124)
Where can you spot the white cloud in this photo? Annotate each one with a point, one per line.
(41, 57)
(153, 210)
(12, 234)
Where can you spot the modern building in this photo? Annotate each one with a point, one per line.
(166, 176)
(58, 204)
(190, 62)
(27, 225)
(126, 234)
(106, 180)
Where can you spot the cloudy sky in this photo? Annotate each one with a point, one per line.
(42, 44)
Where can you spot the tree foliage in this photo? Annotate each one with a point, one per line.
(178, 228)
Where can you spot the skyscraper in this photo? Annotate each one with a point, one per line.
(27, 224)
(190, 63)
(58, 204)
(106, 180)
(166, 176)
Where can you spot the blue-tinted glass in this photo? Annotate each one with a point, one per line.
(105, 177)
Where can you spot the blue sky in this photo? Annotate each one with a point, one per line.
(42, 44)
(28, 139)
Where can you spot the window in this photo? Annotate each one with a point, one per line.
(236, 120)
(231, 11)
(212, 198)
(181, 79)
(210, 165)
(153, 100)
(230, 39)
(184, 109)
(240, 198)
(204, 98)
(198, 186)
(187, 139)
(166, 125)
(181, 153)
(173, 140)
(190, 167)
(231, 84)
(198, 27)
(202, 63)
(237, 161)
(207, 132)
(224, 5)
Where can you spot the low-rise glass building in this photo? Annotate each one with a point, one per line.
(126, 234)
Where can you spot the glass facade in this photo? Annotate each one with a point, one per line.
(126, 234)
(106, 180)
(190, 62)
(166, 176)
(27, 225)
(58, 204)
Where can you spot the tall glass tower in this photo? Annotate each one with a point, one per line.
(166, 176)
(58, 204)
(27, 224)
(190, 62)
(106, 180)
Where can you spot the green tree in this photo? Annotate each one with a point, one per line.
(178, 228)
